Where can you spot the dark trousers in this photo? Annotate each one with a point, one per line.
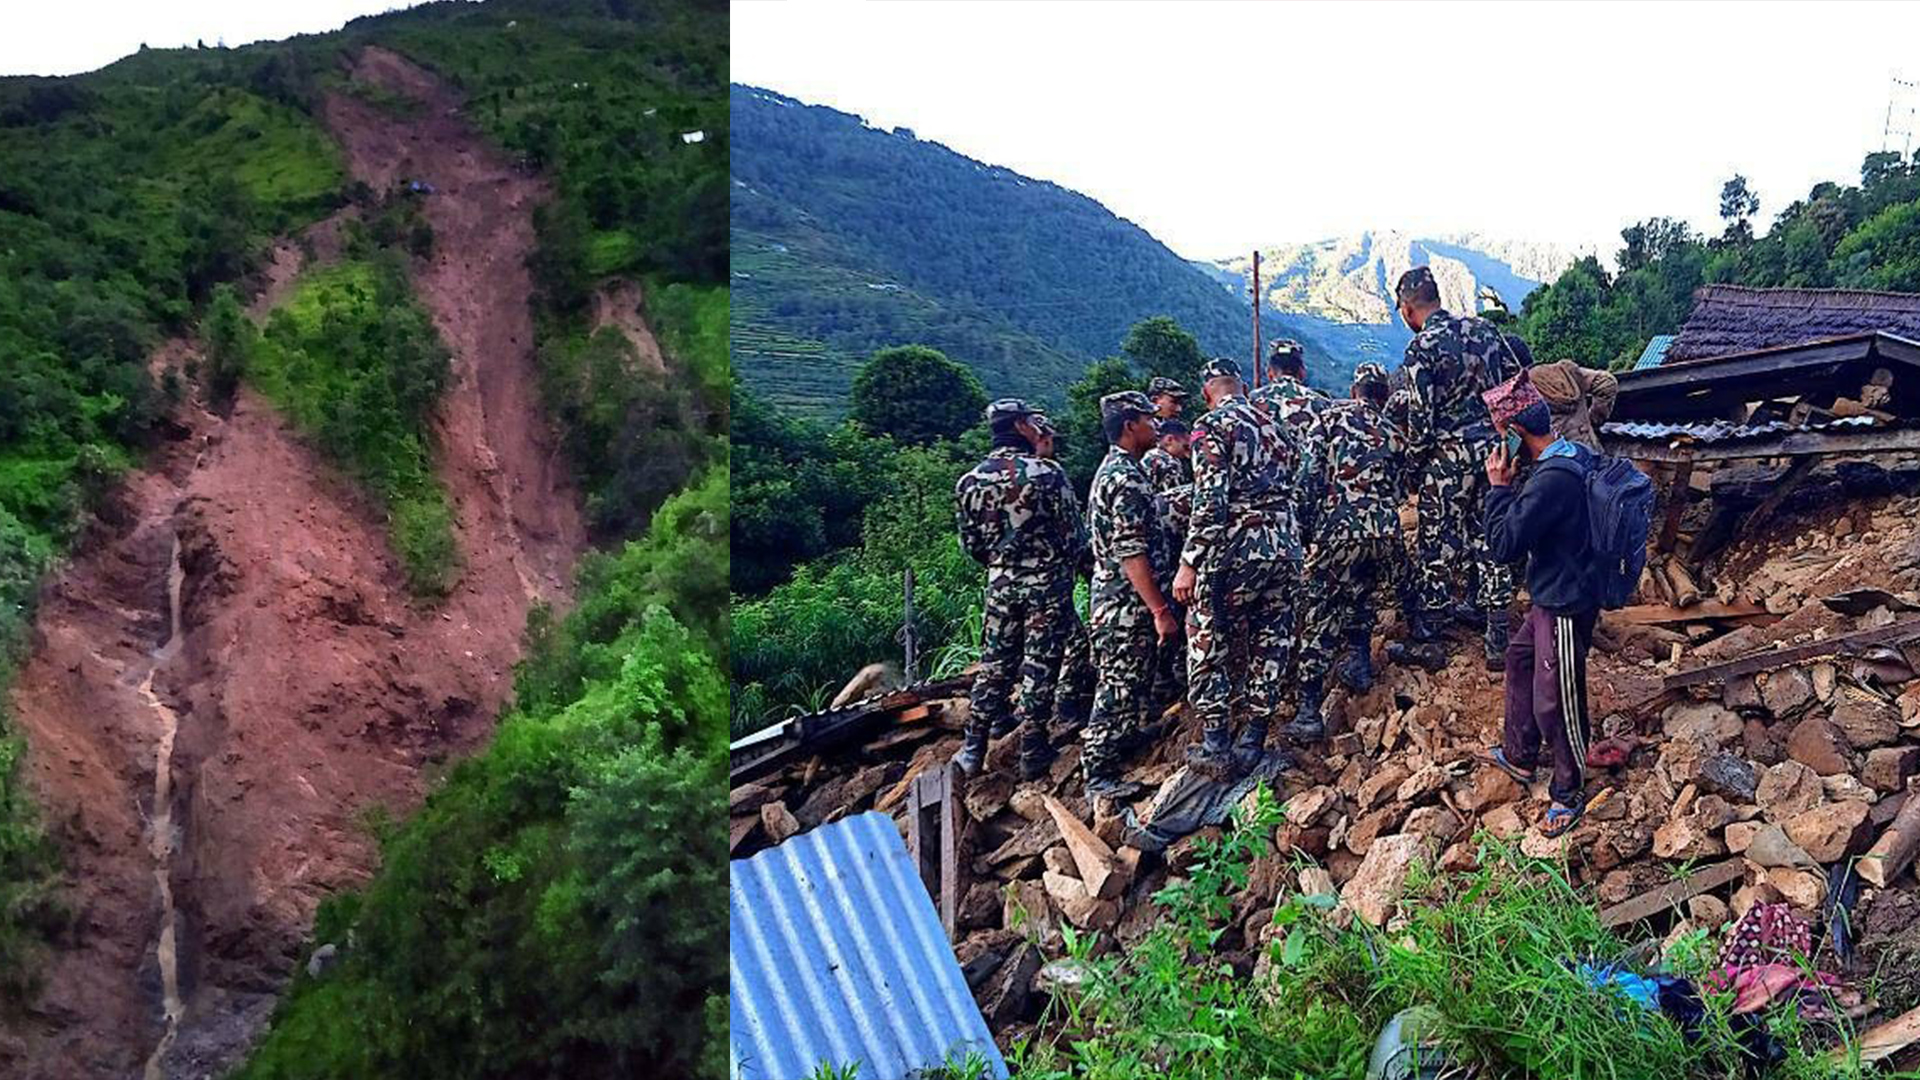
(1547, 696)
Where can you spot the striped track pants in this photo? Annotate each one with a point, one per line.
(1546, 696)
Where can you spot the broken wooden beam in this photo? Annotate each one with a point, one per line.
(933, 836)
(1679, 492)
(1839, 644)
(1091, 855)
(1654, 614)
(1654, 901)
(1884, 1041)
(1897, 846)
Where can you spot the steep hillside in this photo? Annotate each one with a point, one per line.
(847, 238)
(258, 646)
(1344, 287)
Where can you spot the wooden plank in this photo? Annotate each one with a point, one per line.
(933, 836)
(1896, 848)
(1892, 634)
(1091, 855)
(1679, 493)
(1788, 483)
(1884, 1041)
(1655, 614)
(1790, 444)
(1652, 902)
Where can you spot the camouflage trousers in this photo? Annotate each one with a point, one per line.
(1240, 640)
(1073, 693)
(1342, 577)
(1452, 559)
(1023, 631)
(1123, 647)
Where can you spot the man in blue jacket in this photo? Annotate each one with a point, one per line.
(1543, 521)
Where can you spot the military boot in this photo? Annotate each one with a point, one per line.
(1497, 641)
(1251, 745)
(1307, 724)
(1469, 614)
(1356, 671)
(1214, 751)
(1036, 752)
(973, 752)
(1423, 647)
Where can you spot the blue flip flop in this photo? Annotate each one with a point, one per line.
(1498, 756)
(1562, 818)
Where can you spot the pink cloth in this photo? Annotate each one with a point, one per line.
(1506, 400)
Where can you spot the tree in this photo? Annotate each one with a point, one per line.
(1085, 442)
(230, 339)
(1651, 239)
(1738, 204)
(1157, 346)
(914, 395)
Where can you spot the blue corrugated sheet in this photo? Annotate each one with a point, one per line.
(1655, 352)
(838, 957)
(1724, 430)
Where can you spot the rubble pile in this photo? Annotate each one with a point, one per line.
(1757, 734)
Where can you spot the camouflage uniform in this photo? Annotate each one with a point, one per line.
(1450, 362)
(1017, 516)
(1244, 546)
(1164, 470)
(1073, 689)
(1357, 546)
(1172, 509)
(1121, 525)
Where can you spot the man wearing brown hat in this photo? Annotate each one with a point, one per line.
(1543, 522)
(1237, 571)
(1450, 362)
(1130, 614)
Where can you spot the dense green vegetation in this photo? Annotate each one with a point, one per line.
(1493, 953)
(554, 909)
(848, 239)
(357, 365)
(915, 395)
(1841, 236)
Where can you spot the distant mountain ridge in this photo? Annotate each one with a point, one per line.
(847, 238)
(1343, 286)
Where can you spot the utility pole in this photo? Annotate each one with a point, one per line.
(1906, 114)
(906, 633)
(1256, 316)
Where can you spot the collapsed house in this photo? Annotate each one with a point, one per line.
(1756, 707)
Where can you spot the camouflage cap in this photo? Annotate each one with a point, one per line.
(1285, 349)
(1221, 367)
(1008, 409)
(1416, 279)
(1369, 374)
(1042, 424)
(1127, 403)
(1161, 385)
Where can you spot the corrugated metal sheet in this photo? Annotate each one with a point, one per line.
(1724, 430)
(838, 957)
(1655, 351)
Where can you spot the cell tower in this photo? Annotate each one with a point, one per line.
(1901, 96)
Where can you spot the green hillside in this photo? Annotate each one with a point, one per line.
(848, 239)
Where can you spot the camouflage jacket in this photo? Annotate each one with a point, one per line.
(1290, 401)
(1246, 468)
(1449, 363)
(1357, 486)
(1017, 514)
(1172, 510)
(1120, 523)
(1165, 470)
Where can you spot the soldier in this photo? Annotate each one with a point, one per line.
(1168, 397)
(1017, 516)
(1241, 557)
(1130, 613)
(1286, 395)
(1073, 690)
(1450, 362)
(1166, 463)
(1357, 545)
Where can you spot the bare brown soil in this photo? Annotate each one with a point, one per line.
(308, 685)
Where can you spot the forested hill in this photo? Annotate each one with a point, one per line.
(847, 238)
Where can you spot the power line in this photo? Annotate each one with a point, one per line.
(1900, 106)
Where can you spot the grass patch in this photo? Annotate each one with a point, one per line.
(355, 363)
(1493, 954)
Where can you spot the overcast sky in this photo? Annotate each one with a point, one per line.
(1217, 126)
(63, 37)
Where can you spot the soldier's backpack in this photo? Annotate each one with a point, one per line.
(1619, 517)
